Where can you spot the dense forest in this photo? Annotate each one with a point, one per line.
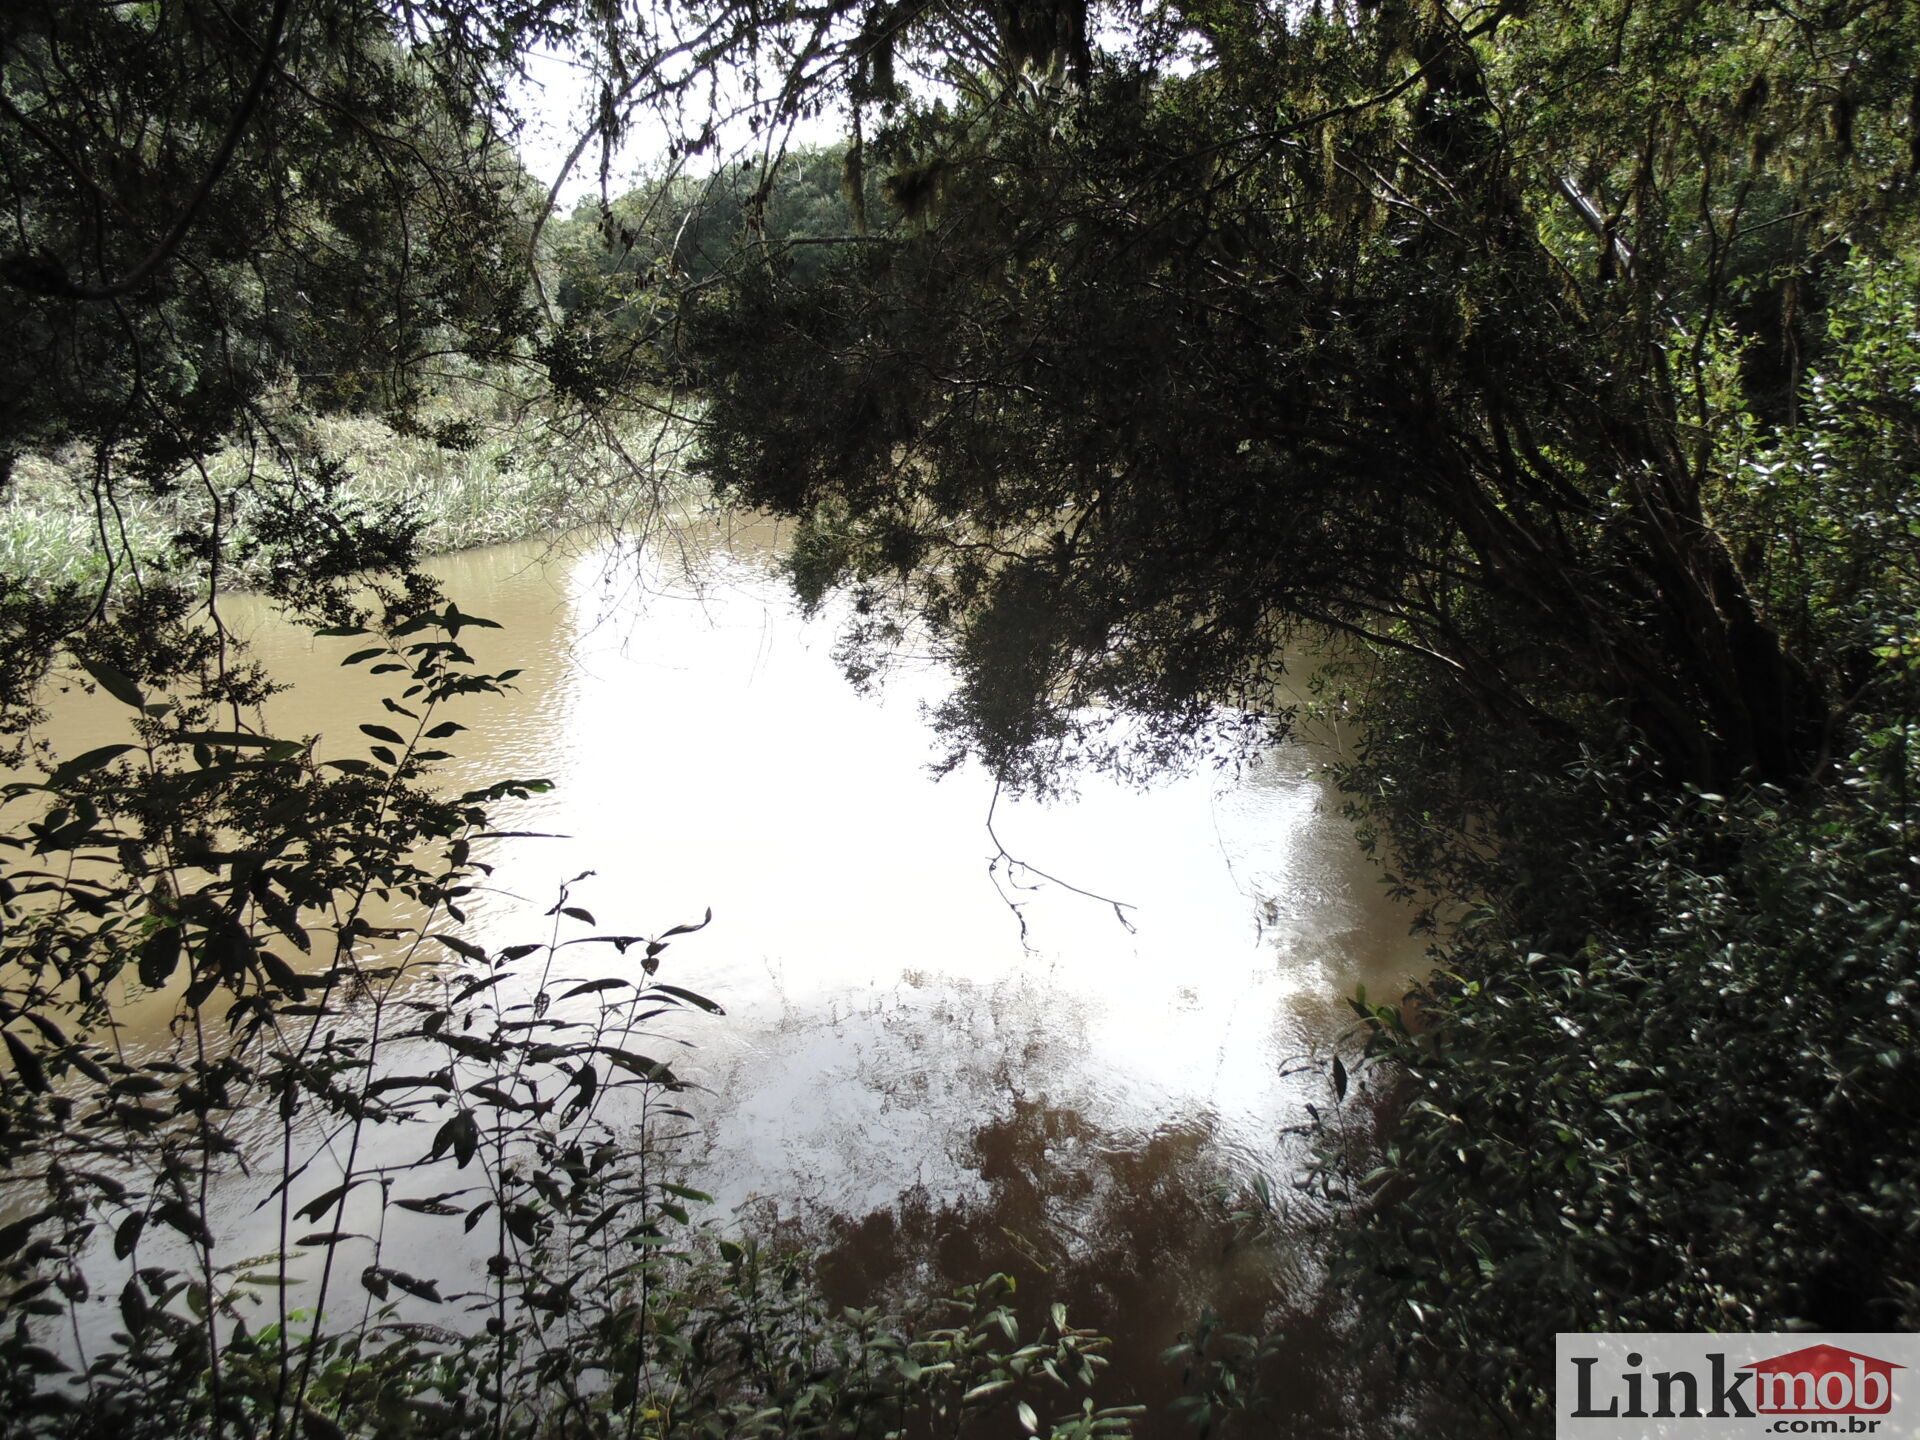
(1549, 372)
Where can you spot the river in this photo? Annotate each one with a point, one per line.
(936, 1062)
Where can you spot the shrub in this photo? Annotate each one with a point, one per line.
(1698, 1118)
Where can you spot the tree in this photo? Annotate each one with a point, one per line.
(218, 220)
(1406, 321)
(622, 263)
(222, 220)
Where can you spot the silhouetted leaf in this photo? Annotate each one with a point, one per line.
(239, 739)
(413, 1285)
(13, 1236)
(428, 1207)
(689, 929)
(126, 1235)
(587, 987)
(133, 1308)
(116, 683)
(84, 764)
(179, 1216)
(322, 1203)
(711, 1007)
(409, 1082)
(26, 1063)
(461, 1134)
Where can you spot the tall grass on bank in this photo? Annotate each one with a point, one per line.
(48, 529)
(467, 482)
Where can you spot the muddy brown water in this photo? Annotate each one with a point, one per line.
(932, 1067)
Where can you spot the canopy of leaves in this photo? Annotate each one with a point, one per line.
(218, 219)
(1402, 321)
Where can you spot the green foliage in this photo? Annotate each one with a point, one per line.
(1353, 323)
(764, 1358)
(695, 227)
(619, 264)
(1693, 1118)
(1563, 357)
(259, 259)
(1224, 1373)
(1830, 499)
(220, 221)
(203, 202)
(269, 277)
(509, 477)
(1657, 1081)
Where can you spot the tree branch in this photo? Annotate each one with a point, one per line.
(50, 278)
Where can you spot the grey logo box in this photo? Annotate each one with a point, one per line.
(1736, 1386)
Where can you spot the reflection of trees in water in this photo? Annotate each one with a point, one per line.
(1131, 1234)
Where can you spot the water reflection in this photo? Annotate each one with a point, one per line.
(907, 1075)
(910, 1074)
(1122, 1227)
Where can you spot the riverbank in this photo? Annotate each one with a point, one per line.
(468, 478)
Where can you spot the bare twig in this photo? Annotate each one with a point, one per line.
(1015, 867)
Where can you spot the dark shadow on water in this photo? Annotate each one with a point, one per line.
(1136, 1237)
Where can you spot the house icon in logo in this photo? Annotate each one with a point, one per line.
(1823, 1380)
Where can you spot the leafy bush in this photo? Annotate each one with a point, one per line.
(1698, 1118)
